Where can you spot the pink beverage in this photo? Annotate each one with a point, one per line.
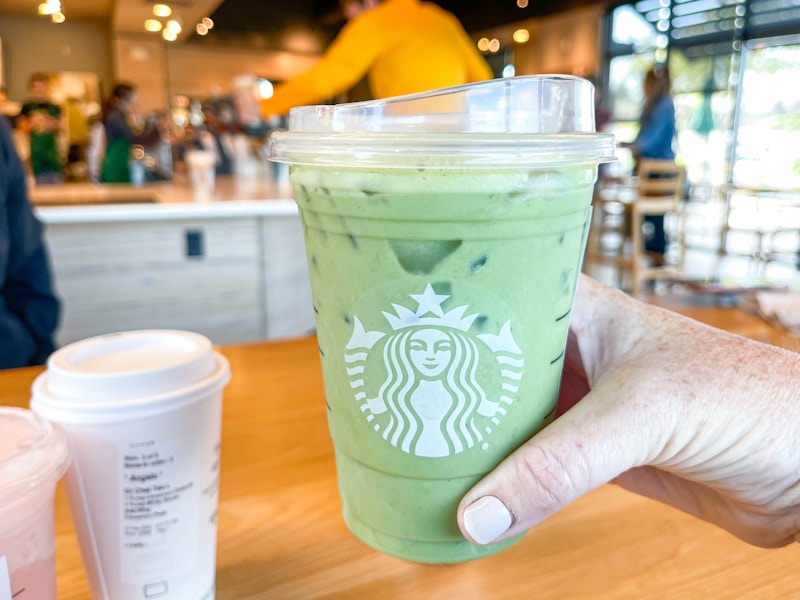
(33, 456)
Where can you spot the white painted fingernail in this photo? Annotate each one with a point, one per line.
(486, 519)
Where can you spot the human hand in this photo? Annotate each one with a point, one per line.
(666, 407)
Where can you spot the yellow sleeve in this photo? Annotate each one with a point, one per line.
(343, 65)
(477, 67)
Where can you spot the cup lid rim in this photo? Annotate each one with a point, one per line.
(40, 460)
(399, 150)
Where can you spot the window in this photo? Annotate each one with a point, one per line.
(767, 148)
(732, 63)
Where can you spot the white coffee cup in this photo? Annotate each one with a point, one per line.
(200, 164)
(142, 412)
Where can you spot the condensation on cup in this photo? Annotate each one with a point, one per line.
(33, 457)
(142, 412)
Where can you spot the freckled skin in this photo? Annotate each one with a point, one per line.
(672, 409)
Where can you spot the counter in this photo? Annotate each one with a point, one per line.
(92, 202)
(282, 536)
(136, 257)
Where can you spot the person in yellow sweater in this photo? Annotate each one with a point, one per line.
(403, 46)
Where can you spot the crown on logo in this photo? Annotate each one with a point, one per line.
(429, 302)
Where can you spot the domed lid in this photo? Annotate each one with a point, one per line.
(532, 120)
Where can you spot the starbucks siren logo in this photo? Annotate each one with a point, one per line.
(426, 396)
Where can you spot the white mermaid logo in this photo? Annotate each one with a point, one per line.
(429, 399)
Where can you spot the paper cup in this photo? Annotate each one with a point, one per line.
(200, 164)
(142, 413)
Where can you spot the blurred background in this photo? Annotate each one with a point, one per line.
(732, 63)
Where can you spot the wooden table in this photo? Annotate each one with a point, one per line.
(281, 535)
(720, 311)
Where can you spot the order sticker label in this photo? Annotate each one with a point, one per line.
(5, 581)
(159, 508)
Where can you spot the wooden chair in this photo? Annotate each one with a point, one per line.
(657, 189)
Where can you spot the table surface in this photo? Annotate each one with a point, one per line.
(281, 535)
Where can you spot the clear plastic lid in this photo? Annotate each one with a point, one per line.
(33, 455)
(532, 120)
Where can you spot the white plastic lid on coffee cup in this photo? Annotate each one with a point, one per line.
(33, 455)
(121, 376)
(541, 120)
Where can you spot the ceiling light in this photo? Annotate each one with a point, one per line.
(58, 17)
(201, 29)
(265, 88)
(169, 35)
(208, 23)
(153, 25)
(50, 7)
(494, 45)
(483, 44)
(161, 10)
(522, 3)
(174, 25)
(521, 36)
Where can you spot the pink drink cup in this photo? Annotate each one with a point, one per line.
(33, 456)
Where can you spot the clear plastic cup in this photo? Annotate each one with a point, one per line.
(142, 412)
(33, 457)
(444, 234)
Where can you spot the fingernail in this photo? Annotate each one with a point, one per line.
(486, 519)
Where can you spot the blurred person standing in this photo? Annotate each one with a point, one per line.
(42, 121)
(216, 137)
(29, 310)
(402, 46)
(118, 113)
(656, 139)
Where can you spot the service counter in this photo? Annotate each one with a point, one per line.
(125, 257)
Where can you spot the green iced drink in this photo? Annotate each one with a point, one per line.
(442, 291)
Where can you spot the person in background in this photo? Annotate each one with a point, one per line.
(656, 139)
(41, 120)
(29, 310)
(403, 46)
(666, 407)
(118, 113)
(215, 137)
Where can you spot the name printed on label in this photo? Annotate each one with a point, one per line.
(160, 506)
(155, 488)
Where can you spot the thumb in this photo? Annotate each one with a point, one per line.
(588, 446)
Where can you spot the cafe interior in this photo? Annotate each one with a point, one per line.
(230, 264)
(732, 227)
